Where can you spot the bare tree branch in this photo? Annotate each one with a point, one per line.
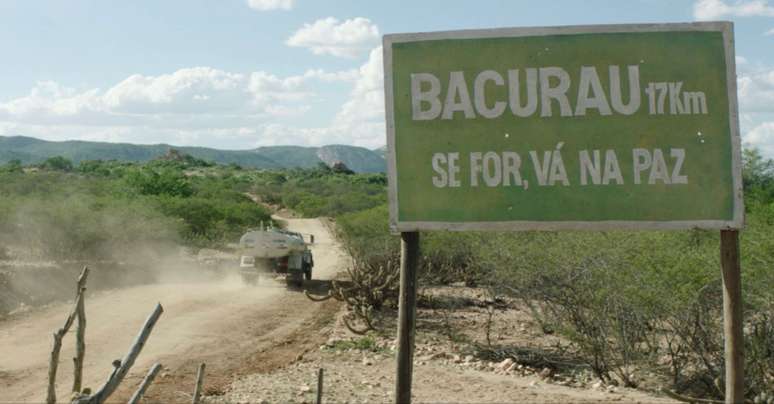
(354, 330)
(146, 382)
(53, 364)
(122, 367)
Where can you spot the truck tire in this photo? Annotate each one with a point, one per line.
(294, 280)
(307, 272)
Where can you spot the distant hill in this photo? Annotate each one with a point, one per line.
(290, 156)
(358, 159)
(382, 151)
(31, 150)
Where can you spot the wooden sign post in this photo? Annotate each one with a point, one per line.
(407, 309)
(607, 127)
(732, 316)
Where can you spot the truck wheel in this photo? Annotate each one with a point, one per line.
(294, 280)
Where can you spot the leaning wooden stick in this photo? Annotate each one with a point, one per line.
(154, 370)
(198, 389)
(53, 364)
(80, 332)
(122, 367)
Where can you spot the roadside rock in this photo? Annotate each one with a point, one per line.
(505, 364)
(433, 356)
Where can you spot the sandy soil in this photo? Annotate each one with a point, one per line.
(361, 369)
(225, 324)
(367, 377)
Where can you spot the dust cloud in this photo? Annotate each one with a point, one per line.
(42, 251)
(209, 315)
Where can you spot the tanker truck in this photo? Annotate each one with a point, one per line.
(270, 251)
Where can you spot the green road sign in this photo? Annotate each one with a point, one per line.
(596, 127)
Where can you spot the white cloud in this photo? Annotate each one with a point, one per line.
(756, 104)
(204, 106)
(199, 105)
(756, 91)
(714, 9)
(266, 5)
(344, 75)
(197, 90)
(360, 120)
(349, 38)
(366, 101)
(769, 32)
(50, 98)
(761, 137)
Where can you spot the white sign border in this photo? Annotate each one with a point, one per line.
(725, 27)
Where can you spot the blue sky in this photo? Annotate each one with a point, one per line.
(244, 73)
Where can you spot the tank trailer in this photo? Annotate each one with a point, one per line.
(275, 251)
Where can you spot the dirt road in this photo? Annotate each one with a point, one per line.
(230, 326)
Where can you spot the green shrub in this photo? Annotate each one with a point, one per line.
(365, 343)
(94, 167)
(447, 257)
(209, 221)
(12, 166)
(321, 191)
(57, 163)
(84, 227)
(165, 182)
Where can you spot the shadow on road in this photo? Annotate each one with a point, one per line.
(318, 287)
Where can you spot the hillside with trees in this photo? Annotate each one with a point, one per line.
(33, 151)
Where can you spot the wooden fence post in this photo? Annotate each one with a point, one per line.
(409, 260)
(319, 386)
(199, 381)
(80, 333)
(75, 313)
(732, 315)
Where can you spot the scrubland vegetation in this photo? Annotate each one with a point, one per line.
(105, 210)
(628, 302)
(59, 210)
